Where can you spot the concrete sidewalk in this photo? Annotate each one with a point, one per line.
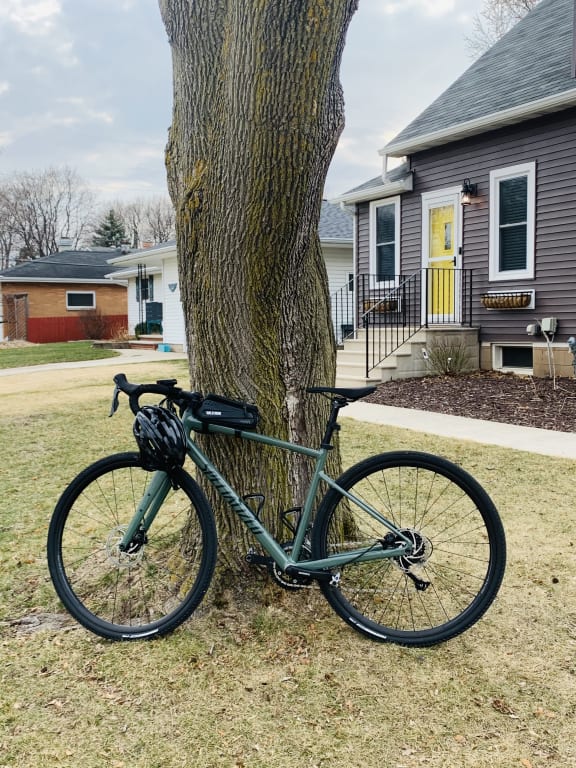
(544, 441)
(124, 357)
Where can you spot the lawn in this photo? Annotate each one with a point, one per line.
(285, 683)
(40, 354)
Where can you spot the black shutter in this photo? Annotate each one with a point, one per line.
(513, 223)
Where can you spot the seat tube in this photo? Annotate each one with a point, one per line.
(309, 502)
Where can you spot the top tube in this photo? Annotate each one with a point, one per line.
(193, 424)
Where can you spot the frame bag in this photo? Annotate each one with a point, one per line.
(228, 413)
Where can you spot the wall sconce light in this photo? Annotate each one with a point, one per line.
(467, 192)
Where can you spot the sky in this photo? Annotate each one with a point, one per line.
(87, 84)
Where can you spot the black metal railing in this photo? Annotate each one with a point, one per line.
(390, 314)
(344, 312)
(393, 308)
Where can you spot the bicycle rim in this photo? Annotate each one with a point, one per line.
(149, 591)
(458, 558)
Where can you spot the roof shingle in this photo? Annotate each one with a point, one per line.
(65, 265)
(532, 61)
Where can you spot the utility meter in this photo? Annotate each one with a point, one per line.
(549, 324)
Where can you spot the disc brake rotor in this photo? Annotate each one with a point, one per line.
(118, 558)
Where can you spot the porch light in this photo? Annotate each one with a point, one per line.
(467, 192)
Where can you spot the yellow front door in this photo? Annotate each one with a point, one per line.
(442, 255)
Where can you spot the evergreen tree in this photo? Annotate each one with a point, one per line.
(110, 233)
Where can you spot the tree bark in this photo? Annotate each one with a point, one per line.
(257, 113)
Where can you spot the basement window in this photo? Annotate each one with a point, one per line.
(519, 359)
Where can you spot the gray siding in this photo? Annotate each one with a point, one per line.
(551, 143)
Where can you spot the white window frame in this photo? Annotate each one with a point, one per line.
(497, 359)
(81, 293)
(502, 174)
(374, 205)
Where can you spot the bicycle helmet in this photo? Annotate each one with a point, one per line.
(161, 438)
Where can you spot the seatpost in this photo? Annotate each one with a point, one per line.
(332, 426)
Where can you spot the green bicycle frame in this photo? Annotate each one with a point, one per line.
(160, 486)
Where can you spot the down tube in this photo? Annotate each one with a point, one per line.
(235, 502)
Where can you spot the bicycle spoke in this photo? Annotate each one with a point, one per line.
(445, 582)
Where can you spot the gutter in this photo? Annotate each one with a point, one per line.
(67, 280)
(138, 257)
(123, 274)
(386, 189)
(518, 114)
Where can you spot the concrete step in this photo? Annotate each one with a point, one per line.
(146, 341)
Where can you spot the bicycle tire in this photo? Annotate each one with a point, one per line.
(459, 549)
(122, 596)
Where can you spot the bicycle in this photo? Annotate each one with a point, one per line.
(405, 546)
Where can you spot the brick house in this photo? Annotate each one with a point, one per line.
(62, 297)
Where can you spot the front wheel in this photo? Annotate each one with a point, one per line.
(458, 555)
(154, 587)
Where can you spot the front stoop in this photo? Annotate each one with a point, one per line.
(147, 341)
(407, 362)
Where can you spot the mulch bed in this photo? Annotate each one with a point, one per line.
(503, 397)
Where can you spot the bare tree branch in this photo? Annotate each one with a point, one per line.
(39, 208)
(493, 21)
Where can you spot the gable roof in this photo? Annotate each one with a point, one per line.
(527, 73)
(64, 266)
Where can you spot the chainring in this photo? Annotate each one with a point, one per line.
(286, 581)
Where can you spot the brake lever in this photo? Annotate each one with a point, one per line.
(114, 404)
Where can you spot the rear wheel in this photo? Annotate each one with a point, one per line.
(157, 585)
(457, 561)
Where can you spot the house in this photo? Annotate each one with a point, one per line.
(470, 231)
(63, 297)
(154, 292)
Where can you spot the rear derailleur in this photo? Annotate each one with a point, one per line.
(417, 556)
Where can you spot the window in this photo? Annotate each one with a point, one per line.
(512, 217)
(513, 358)
(144, 289)
(80, 300)
(384, 239)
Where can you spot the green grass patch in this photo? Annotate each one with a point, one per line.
(284, 682)
(41, 354)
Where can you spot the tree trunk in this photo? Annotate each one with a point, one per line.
(257, 114)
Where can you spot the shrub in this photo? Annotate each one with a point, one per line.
(448, 357)
(94, 324)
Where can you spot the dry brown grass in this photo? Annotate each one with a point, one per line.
(287, 683)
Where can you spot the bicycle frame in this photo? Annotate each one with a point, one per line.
(160, 486)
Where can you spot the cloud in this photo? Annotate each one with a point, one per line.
(6, 138)
(427, 7)
(31, 17)
(83, 112)
(4, 86)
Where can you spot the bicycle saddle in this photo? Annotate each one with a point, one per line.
(344, 392)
